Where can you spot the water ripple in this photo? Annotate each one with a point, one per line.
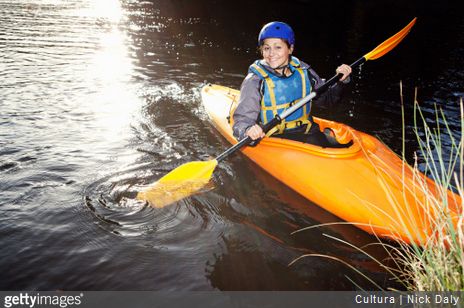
(112, 201)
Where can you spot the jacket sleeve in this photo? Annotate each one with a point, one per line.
(334, 94)
(249, 106)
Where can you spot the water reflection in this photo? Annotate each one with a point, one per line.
(108, 9)
(111, 70)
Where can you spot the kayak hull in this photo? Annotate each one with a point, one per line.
(365, 184)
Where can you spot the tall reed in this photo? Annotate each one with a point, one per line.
(439, 264)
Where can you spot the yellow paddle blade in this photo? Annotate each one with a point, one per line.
(390, 43)
(180, 183)
(191, 171)
(161, 194)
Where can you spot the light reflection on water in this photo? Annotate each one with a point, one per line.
(100, 98)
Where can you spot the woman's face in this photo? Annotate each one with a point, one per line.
(276, 52)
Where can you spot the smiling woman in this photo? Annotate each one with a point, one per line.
(276, 52)
(277, 82)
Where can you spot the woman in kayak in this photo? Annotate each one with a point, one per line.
(278, 81)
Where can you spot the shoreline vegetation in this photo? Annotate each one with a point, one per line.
(438, 265)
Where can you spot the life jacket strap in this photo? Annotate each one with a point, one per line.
(284, 125)
(271, 87)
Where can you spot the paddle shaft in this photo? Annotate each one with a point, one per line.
(280, 117)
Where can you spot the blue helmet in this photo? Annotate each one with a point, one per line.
(276, 29)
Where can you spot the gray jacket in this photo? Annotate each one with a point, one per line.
(251, 92)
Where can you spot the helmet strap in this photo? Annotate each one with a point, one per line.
(283, 67)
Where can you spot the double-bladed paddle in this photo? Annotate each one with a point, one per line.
(188, 178)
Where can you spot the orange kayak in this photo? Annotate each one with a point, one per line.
(366, 184)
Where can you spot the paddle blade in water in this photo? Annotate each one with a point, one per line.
(184, 181)
(165, 193)
(391, 43)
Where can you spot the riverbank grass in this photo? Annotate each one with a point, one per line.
(439, 265)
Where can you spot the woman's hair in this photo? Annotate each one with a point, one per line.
(260, 49)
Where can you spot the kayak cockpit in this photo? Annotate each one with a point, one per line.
(343, 133)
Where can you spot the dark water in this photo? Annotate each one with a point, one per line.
(99, 98)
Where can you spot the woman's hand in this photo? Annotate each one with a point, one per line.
(345, 70)
(255, 132)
